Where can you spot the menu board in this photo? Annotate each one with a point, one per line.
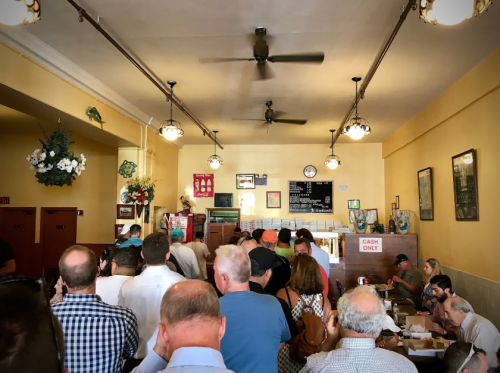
(310, 197)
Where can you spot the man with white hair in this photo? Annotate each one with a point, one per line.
(256, 325)
(358, 322)
(473, 328)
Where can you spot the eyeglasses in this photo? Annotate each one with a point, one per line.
(248, 238)
(471, 353)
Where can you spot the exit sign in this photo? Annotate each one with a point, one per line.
(4, 200)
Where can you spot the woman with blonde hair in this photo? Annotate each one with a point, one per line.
(305, 286)
(432, 268)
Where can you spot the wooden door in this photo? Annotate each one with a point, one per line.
(17, 227)
(215, 237)
(228, 231)
(58, 232)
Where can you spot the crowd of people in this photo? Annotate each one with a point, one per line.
(146, 306)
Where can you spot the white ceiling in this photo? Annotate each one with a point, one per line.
(169, 37)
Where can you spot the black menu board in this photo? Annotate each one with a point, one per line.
(310, 197)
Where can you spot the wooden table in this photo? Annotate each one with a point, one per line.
(424, 364)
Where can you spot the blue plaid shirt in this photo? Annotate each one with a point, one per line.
(97, 336)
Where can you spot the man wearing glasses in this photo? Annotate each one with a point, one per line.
(464, 357)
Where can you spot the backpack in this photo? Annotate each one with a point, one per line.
(312, 333)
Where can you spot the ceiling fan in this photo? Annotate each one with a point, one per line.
(261, 55)
(272, 116)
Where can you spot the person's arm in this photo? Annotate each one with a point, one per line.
(8, 267)
(412, 288)
(131, 336)
(333, 328)
(327, 308)
(155, 361)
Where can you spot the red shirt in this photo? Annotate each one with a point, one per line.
(324, 277)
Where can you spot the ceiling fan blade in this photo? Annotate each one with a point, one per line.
(298, 58)
(263, 72)
(278, 114)
(291, 121)
(257, 120)
(217, 60)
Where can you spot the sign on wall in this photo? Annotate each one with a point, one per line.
(203, 185)
(370, 245)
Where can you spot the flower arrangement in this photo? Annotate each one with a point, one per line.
(54, 164)
(140, 190)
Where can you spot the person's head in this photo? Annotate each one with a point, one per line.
(31, 337)
(162, 230)
(124, 262)
(361, 314)
(231, 267)
(257, 234)
(269, 239)
(78, 269)
(306, 276)
(199, 235)
(176, 235)
(190, 317)
(155, 249)
(234, 240)
(105, 261)
(304, 233)
(441, 287)
(432, 268)
(455, 310)
(302, 246)
(125, 231)
(248, 243)
(245, 234)
(263, 262)
(135, 230)
(284, 236)
(464, 357)
(402, 262)
(237, 232)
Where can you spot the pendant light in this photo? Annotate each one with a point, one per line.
(170, 128)
(15, 12)
(215, 161)
(451, 12)
(356, 127)
(332, 161)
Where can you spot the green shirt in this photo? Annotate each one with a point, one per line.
(413, 277)
(284, 252)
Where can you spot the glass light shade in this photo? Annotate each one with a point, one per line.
(171, 133)
(356, 128)
(451, 12)
(332, 161)
(214, 161)
(355, 132)
(468, 159)
(13, 12)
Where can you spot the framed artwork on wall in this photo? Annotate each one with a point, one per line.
(118, 230)
(353, 204)
(425, 197)
(125, 211)
(245, 181)
(465, 185)
(371, 216)
(273, 200)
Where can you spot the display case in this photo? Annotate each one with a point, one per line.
(223, 215)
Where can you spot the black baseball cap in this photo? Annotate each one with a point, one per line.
(400, 258)
(265, 258)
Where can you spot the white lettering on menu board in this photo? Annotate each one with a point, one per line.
(370, 245)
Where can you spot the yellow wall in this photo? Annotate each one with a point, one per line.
(362, 167)
(463, 117)
(94, 191)
(165, 171)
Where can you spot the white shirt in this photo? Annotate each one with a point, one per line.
(186, 259)
(482, 333)
(201, 251)
(321, 257)
(143, 295)
(109, 287)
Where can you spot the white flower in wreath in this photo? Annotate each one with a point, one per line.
(69, 169)
(74, 163)
(50, 167)
(41, 165)
(43, 156)
(67, 162)
(52, 153)
(28, 158)
(33, 168)
(36, 152)
(78, 172)
(146, 202)
(61, 165)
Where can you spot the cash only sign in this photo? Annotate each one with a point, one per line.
(370, 245)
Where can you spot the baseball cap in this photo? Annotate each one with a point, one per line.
(265, 258)
(270, 236)
(125, 229)
(177, 233)
(400, 258)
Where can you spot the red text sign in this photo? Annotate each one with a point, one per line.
(370, 245)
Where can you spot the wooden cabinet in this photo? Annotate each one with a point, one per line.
(219, 231)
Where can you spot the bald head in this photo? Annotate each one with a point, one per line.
(456, 310)
(361, 314)
(78, 267)
(248, 245)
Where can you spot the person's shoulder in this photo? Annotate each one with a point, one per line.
(393, 357)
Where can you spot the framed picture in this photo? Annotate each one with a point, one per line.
(245, 181)
(125, 211)
(118, 230)
(246, 200)
(465, 185)
(371, 216)
(425, 198)
(273, 200)
(223, 200)
(353, 204)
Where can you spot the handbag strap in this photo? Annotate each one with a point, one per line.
(288, 296)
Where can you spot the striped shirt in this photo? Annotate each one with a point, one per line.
(97, 336)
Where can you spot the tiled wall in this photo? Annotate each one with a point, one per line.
(482, 294)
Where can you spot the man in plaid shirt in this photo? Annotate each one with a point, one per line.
(97, 336)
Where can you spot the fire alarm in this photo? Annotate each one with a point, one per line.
(79, 212)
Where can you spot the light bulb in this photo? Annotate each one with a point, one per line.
(468, 159)
(355, 132)
(12, 12)
(450, 12)
(214, 163)
(170, 133)
(29, 2)
(332, 164)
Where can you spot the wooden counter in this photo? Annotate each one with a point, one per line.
(359, 264)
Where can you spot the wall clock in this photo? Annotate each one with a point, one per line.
(310, 171)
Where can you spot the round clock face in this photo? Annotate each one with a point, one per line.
(310, 171)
